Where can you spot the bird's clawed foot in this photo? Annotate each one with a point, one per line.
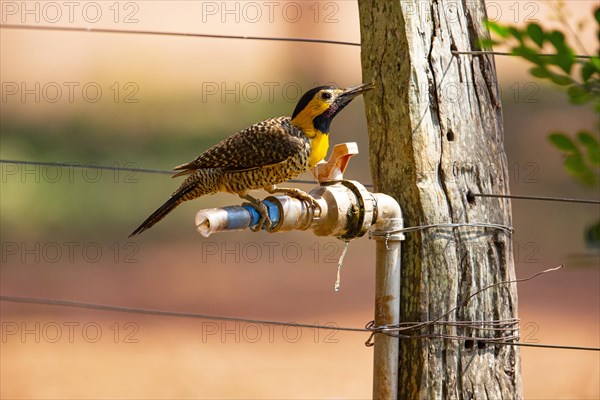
(296, 193)
(264, 213)
(264, 218)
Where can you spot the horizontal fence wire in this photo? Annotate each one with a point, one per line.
(507, 327)
(196, 35)
(177, 314)
(248, 37)
(90, 165)
(542, 198)
(505, 53)
(162, 313)
(115, 168)
(93, 165)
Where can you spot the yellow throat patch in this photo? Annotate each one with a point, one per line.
(319, 140)
(318, 148)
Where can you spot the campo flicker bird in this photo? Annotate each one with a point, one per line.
(264, 154)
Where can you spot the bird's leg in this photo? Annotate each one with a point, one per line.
(262, 209)
(296, 193)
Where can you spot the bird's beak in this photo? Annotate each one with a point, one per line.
(350, 93)
(354, 91)
(344, 98)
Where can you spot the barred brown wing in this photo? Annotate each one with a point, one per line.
(269, 142)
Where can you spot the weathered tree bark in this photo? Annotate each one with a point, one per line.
(436, 138)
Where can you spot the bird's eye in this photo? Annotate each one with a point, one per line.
(325, 95)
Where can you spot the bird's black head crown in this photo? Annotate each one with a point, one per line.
(307, 97)
(317, 107)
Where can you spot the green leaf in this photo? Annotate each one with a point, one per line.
(574, 164)
(566, 59)
(557, 39)
(487, 43)
(563, 142)
(587, 139)
(516, 33)
(587, 70)
(539, 72)
(565, 56)
(597, 15)
(591, 145)
(592, 235)
(595, 62)
(578, 94)
(498, 29)
(562, 80)
(536, 34)
(529, 54)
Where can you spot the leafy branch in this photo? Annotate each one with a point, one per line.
(579, 76)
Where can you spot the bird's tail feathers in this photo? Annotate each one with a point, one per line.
(162, 211)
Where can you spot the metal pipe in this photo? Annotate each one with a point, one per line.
(347, 211)
(387, 296)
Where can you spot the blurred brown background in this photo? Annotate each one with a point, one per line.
(156, 101)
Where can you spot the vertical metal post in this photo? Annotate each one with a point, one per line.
(387, 308)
